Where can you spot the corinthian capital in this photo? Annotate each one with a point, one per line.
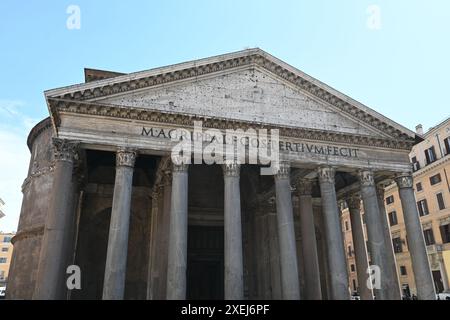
(366, 178)
(326, 174)
(231, 169)
(304, 186)
(180, 167)
(353, 201)
(404, 180)
(64, 150)
(284, 170)
(125, 157)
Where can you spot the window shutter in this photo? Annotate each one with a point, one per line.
(425, 206)
(433, 153)
(427, 156)
(447, 145)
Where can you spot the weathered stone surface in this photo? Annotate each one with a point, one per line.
(249, 94)
(249, 89)
(27, 242)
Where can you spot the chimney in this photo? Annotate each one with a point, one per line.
(419, 129)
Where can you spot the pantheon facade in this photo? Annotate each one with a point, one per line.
(102, 192)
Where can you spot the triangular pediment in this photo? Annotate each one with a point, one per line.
(249, 85)
(251, 95)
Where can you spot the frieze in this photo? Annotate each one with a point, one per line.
(284, 145)
(187, 120)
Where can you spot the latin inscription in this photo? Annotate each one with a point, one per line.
(289, 146)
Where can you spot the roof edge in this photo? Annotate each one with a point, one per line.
(37, 130)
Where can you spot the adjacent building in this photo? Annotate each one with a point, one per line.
(2, 203)
(431, 165)
(6, 250)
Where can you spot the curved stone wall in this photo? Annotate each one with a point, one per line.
(36, 190)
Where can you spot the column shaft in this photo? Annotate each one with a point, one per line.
(335, 243)
(359, 244)
(234, 278)
(286, 235)
(309, 244)
(416, 242)
(395, 291)
(116, 256)
(388, 289)
(50, 281)
(177, 259)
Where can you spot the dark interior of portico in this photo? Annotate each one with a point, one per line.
(205, 259)
(93, 224)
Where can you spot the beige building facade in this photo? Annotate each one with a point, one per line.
(6, 252)
(431, 165)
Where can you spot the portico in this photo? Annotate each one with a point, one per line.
(156, 222)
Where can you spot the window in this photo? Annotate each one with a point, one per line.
(368, 251)
(390, 200)
(354, 285)
(5, 249)
(349, 250)
(419, 186)
(393, 218)
(435, 179)
(7, 239)
(3, 260)
(352, 268)
(397, 244)
(447, 145)
(415, 163)
(430, 155)
(346, 225)
(403, 271)
(445, 233)
(423, 207)
(429, 237)
(2, 275)
(440, 200)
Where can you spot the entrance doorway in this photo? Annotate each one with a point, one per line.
(205, 265)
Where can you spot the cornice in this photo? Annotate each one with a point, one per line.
(436, 164)
(37, 130)
(254, 58)
(28, 232)
(37, 173)
(186, 119)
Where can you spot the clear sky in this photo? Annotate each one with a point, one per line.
(392, 56)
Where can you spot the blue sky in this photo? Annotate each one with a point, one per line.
(399, 69)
